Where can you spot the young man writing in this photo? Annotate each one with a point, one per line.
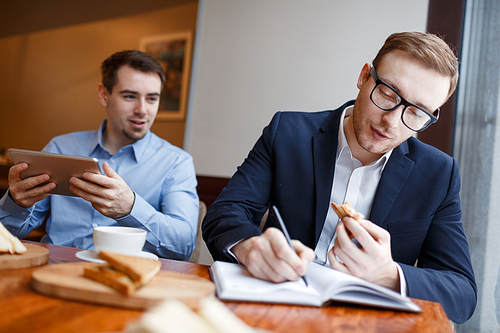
(363, 153)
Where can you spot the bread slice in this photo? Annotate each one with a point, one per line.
(170, 316)
(5, 245)
(347, 210)
(112, 278)
(173, 316)
(221, 317)
(139, 269)
(10, 243)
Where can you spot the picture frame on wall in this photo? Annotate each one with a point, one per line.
(173, 52)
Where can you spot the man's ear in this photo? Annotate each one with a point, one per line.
(103, 94)
(364, 75)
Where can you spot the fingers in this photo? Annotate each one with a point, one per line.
(93, 184)
(270, 257)
(336, 263)
(110, 195)
(89, 191)
(345, 253)
(15, 171)
(305, 253)
(369, 235)
(30, 190)
(377, 233)
(249, 253)
(109, 181)
(109, 171)
(373, 261)
(297, 258)
(355, 227)
(264, 261)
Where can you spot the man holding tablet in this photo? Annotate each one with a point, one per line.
(148, 183)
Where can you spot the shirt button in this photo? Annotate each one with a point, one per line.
(94, 225)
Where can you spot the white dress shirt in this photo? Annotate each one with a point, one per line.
(353, 183)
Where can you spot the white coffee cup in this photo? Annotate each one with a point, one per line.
(119, 239)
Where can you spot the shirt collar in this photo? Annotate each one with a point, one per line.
(138, 147)
(98, 140)
(343, 141)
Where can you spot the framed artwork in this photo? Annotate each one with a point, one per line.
(173, 52)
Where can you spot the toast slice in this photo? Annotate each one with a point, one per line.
(347, 210)
(170, 316)
(10, 243)
(140, 270)
(112, 278)
(221, 317)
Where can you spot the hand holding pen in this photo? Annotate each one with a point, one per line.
(259, 254)
(275, 214)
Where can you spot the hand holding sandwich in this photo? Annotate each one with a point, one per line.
(373, 261)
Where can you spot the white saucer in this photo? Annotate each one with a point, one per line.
(91, 255)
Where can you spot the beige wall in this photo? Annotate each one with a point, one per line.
(279, 55)
(48, 79)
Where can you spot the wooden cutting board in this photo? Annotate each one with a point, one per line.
(67, 281)
(35, 256)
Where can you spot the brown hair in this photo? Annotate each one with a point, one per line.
(430, 49)
(133, 58)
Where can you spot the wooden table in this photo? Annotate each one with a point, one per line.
(23, 310)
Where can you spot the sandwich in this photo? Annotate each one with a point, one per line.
(122, 272)
(139, 270)
(10, 243)
(347, 210)
(112, 278)
(221, 317)
(173, 316)
(170, 316)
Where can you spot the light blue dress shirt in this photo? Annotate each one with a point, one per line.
(162, 177)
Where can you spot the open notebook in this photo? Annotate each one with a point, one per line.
(233, 282)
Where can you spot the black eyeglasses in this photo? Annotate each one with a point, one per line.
(388, 99)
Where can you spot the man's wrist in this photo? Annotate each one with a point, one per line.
(241, 249)
(396, 286)
(15, 210)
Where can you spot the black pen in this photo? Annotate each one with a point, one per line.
(279, 222)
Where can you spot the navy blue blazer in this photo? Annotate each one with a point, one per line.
(417, 201)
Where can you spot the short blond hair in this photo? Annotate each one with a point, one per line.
(430, 49)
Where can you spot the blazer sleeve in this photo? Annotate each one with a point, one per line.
(237, 212)
(443, 272)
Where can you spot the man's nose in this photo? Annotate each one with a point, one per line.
(392, 118)
(140, 108)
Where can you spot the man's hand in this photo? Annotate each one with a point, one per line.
(28, 191)
(109, 195)
(373, 262)
(269, 257)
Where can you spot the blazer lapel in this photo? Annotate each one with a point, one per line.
(324, 153)
(394, 176)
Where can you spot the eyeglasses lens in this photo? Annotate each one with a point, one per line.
(388, 100)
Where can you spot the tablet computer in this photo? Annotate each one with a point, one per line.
(59, 167)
